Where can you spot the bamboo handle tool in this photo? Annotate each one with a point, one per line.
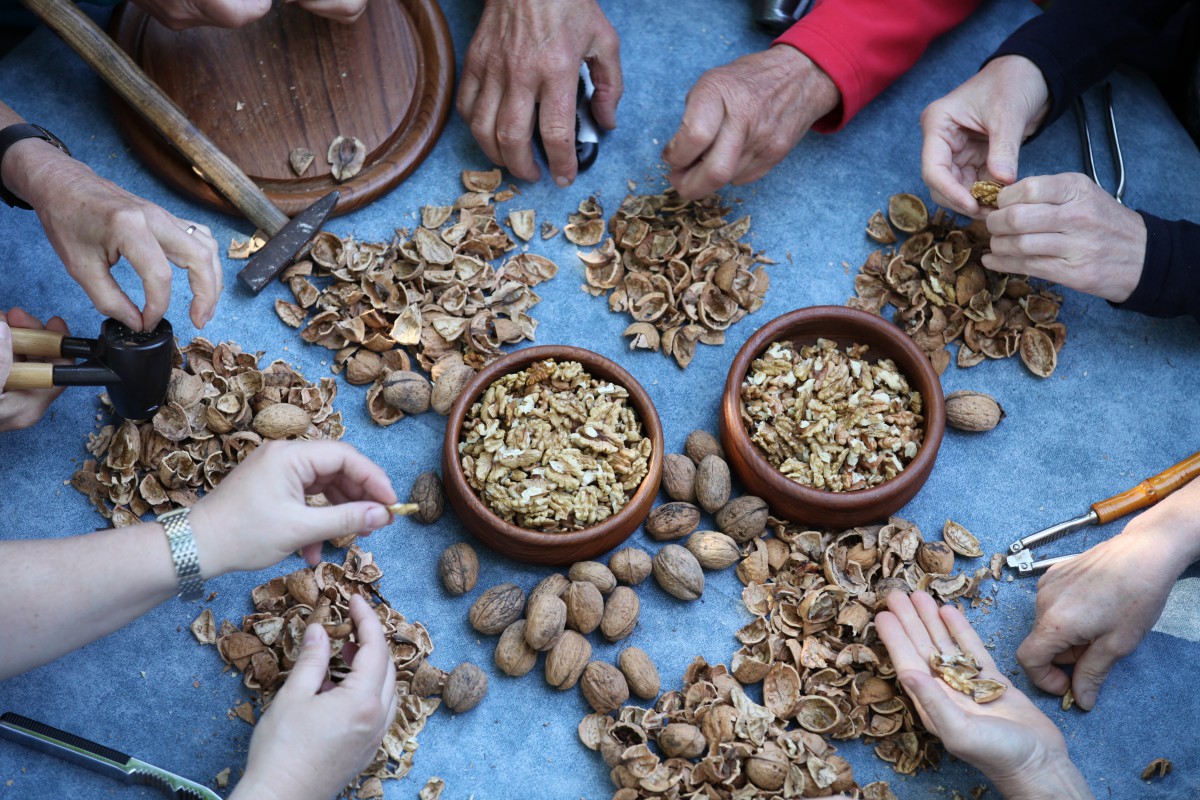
(1145, 494)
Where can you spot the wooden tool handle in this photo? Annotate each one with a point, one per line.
(39, 344)
(1149, 491)
(126, 78)
(30, 376)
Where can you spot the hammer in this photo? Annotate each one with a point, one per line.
(129, 81)
(135, 366)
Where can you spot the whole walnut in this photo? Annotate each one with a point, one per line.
(672, 521)
(640, 673)
(595, 573)
(604, 687)
(459, 568)
(567, 660)
(700, 444)
(465, 687)
(713, 483)
(430, 497)
(497, 608)
(681, 740)
(513, 654)
(678, 572)
(973, 411)
(768, 767)
(407, 391)
(630, 565)
(545, 618)
(585, 606)
(620, 614)
(679, 477)
(743, 518)
(935, 557)
(449, 386)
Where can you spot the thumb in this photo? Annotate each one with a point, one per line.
(358, 518)
(1090, 672)
(943, 714)
(1004, 148)
(310, 669)
(6, 353)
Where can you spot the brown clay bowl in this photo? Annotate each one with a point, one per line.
(533, 546)
(818, 507)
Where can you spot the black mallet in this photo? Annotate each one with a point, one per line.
(134, 366)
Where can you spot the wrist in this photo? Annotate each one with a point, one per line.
(207, 533)
(1127, 278)
(818, 91)
(251, 788)
(32, 168)
(1171, 528)
(1049, 776)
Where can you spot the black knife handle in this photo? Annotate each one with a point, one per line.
(17, 728)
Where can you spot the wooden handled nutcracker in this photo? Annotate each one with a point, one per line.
(1145, 494)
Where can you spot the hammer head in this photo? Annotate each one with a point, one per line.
(142, 363)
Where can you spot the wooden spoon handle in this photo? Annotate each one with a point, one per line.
(39, 344)
(129, 81)
(1149, 491)
(30, 376)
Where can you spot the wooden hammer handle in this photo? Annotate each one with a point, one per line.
(1149, 491)
(129, 81)
(39, 344)
(30, 376)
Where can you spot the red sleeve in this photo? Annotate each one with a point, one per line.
(864, 45)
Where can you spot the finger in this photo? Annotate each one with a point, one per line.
(1024, 218)
(1048, 267)
(148, 260)
(514, 133)
(716, 167)
(468, 91)
(927, 611)
(1091, 670)
(319, 461)
(370, 669)
(102, 289)
(604, 68)
(937, 166)
(1004, 146)
(967, 639)
(1032, 245)
(702, 118)
(902, 606)
(311, 667)
(942, 715)
(556, 110)
(6, 353)
(1052, 189)
(483, 120)
(197, 253)
(312, 553)
(1037, 654)
(334, 522)
(387, 691)
(895, 638)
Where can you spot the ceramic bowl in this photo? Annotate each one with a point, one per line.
(819, 507)
(533, 546)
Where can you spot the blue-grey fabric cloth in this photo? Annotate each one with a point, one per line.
(1121, 406)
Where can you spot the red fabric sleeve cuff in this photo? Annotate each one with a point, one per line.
(842, 69)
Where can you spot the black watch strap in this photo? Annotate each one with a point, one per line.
(10, 136)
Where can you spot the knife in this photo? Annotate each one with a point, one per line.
(98, 758)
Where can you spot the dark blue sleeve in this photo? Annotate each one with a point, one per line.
(1170, 284)
(1077, 42)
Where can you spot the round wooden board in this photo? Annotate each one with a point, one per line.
(293, 79)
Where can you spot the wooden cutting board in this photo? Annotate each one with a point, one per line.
(290, 80)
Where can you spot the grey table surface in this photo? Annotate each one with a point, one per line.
(1121, 406)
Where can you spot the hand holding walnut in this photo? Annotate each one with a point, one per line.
(1008, 739)
(977, 130)
(316, 736)
(743, 118)
(1094, 610)
(1068, 230)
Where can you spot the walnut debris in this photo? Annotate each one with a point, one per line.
(435, 294)
(986, 192)
(222, 778)
(300, 159)
(1158, 768)
(219, 407)
(552, 448)
(824, 674)
(346, 157)
(433, 789)
(677, 266)
(943, 294)
(242, 249)
(960, 671)
(829, 418)
(267, 643)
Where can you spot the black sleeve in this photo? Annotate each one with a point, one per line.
(1077, 42)
(1170, 284)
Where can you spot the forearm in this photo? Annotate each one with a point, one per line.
(1172, 526)
(1057, 779)
(59, 594)
(29, 166)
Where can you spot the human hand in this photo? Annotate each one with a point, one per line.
(743, 118)
(179, 15)
(22, 408)
(1008, 739)
(1068, 230)
(92, 223)
(316, 736)
(257, 516)
(1093, 610)
(343, 11)
(977, 130)
(527, 53)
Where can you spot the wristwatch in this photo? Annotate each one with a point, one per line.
(10, 136)
(183, 553)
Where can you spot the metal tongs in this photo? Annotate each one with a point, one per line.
(98, 758)
(1085, 137)
(1145, 494)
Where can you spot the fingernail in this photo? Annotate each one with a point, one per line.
(377, 517)
(312, 634)
(562, 181)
